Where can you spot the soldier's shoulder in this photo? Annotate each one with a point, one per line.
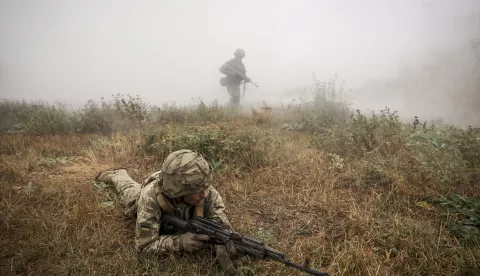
(147, 201)
(154, 176)
(149, 190)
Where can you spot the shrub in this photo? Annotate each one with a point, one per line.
(223, 144)
(326, 110)
(121, 113)
(35, 117)
(197, 112)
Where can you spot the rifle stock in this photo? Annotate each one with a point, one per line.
(250, 246)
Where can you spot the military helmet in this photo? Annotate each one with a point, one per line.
(239, 53)
(185, 172)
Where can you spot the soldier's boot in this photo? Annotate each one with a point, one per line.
(106, 176)
(127, 189)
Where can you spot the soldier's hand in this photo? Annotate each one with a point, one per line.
(232, 250)
(247, 79)
(224, 261)
(192, 242)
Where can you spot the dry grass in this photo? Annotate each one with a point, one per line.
(306, 203)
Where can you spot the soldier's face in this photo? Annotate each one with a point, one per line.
(195, 199)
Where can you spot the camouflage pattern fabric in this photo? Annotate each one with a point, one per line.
(150, 236)
(234, 69)
(184, 172)
(127, 189)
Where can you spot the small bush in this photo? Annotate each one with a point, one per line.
(35, 117)
(222, 145)
(360, 135)
(326, 110)
(463, 217)
(198, 112)
(468, 143)
(121, 113)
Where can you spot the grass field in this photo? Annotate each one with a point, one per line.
(359, 194)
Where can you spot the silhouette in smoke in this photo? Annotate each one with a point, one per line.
(235, 73)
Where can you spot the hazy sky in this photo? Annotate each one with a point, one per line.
(171, 50)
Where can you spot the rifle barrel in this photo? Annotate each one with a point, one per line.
(306, 269)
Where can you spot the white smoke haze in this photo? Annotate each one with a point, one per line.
(418, 57)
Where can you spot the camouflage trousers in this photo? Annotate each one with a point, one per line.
(128, 191)
(234, 92)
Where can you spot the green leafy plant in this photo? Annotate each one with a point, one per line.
(464, 217)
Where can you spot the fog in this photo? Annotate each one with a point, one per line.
(416, 56)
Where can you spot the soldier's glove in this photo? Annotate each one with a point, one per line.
(232, 251)
(192, 242)
(224, 260)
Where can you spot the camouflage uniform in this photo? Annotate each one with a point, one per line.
(142, 201)
(127, 189)
(153, 237)
(235, 72)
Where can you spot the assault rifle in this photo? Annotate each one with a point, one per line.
(253, 247)
(227, 69)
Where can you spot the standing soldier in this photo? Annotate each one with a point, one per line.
(235, 73)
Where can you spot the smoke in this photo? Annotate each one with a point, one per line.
(412, 55)
(441, 83)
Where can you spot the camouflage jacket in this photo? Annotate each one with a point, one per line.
(151, 236)
(235, 71)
